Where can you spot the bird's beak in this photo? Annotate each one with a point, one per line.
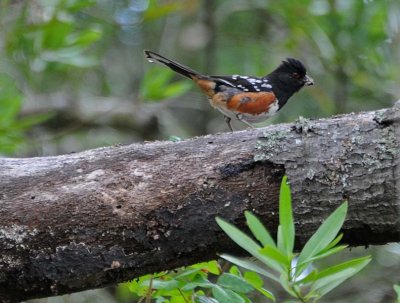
(308, 80)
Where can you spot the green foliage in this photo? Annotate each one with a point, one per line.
(78, 52)
(157, 85)
(397, 290)
(47, 51)
(296, 273)
(40, 53)
(12, 128)
(193, 284)
(174, 138)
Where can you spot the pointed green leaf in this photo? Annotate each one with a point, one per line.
(242, 262)
(276, 256)
(280, 240)
(327, 253)
(204, 299)
(187, 273)
(397, 290)
(235, 283)
(283, 280)
(257, 282)
(329, 250)
(258, 230)
(211, 266)
(286, 218)
(239, 237)
(331, 277)
(254, 279)
(335, 241)
(310, 278)
(323, 254)
(325, 234)
(234, 270)
(198, 281)
(226, 295)
(267, 293)
(245, 242)
(160, 284)
(177, 88)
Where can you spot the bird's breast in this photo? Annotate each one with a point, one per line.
(251, 106)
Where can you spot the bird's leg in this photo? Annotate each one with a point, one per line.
(239, 117)
(228, 121)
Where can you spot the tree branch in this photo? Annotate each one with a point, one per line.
(95, 218)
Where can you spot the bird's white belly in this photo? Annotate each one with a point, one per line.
(272, 110)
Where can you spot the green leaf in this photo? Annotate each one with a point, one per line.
(397, 290)
(177, 88)
(174, 138)
(257, 282)
(198, 281)
(234, 270)
(329, 250)
(283, 280)
(326, 253)
(310, 278)
(154, 82)
(162, 300)
(204, 299)
(235, 283)
(325, 234)
(280, 240)
(33, 120)
(267, 294)
(245, 242)
(242, 262)
(239, 237)
(254, 279)
(160, 10)
(286, 218)
(335, 241)
(211, 266)
(276, 256)
(331, 277)
(226, 295)
(160, 284)
(187, 272)
(258, 230)
(84, 38)
(157, 85)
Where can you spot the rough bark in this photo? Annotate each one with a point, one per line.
(91, 219)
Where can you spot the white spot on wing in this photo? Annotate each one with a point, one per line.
(266, 85)
(226, 82)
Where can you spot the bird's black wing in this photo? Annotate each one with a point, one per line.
(244, 83)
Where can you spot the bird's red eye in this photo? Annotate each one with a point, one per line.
(296, 75)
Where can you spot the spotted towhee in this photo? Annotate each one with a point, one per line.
(248, 99)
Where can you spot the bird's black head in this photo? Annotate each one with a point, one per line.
(290, 77)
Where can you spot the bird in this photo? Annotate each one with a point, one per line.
(245, 98)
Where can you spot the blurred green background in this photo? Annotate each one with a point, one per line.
(73, 76)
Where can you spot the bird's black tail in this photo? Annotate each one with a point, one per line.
(175, 66)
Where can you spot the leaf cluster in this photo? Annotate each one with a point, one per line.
(200, 283)
(295, 272)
